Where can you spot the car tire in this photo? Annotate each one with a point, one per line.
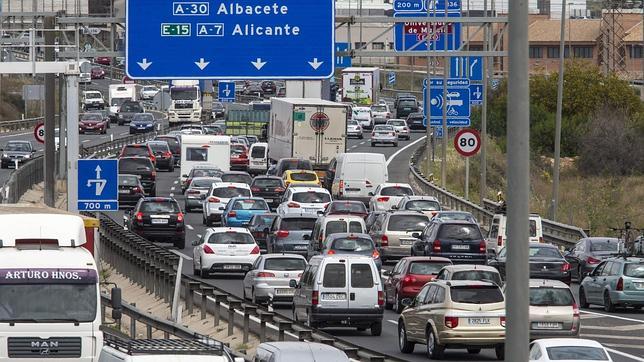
(373, 144)
(473, 350)
(376, 329)
(608, 303)
(404, 345)
(361, 329)
(195, 271)
(499, 350)
(398, 308)
(434, 350)
(388, 306)
(583, 303)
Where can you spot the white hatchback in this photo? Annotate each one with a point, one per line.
(568, 349)
(364, 116)
(310, 200)
(387, 195)
(224, 250)
(217, 198)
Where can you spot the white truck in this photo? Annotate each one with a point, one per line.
(361, 85)
(185, 102)
(119, 93)
(50, 302)
(204, 150)
(307, 128)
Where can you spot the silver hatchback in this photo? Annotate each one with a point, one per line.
(268, 280)
(196, 193)
(384, 134)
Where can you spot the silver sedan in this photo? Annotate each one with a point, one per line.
(400, 125)
(268, 281)
(384, 134)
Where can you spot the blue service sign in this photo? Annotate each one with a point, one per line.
(226, 91)
(98, 185)
(466, 67)
(342, 62)
(167, 39)
(476, 94)
(438, 132)
(456, 101)
(412, 36)
(391, 78)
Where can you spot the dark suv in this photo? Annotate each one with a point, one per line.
(406, 106)
(158, 219)
(271, 188)
(162, 154)
(127, 111)
(460, 241)
(142, 167)
(175, 146)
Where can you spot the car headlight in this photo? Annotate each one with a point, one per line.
(26, 156)
(5, 155)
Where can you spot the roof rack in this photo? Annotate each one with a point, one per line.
(201, 345)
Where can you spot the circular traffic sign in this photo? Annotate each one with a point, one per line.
(467, 142)
(319, 122)
(39, 132)
(127, 80)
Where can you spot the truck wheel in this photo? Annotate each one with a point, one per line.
(376, 329)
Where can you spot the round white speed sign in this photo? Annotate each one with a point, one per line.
(467, 142)
(39, 132)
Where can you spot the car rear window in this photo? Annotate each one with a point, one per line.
(135, 164)
(635, 270)
(164, 207)
(131, 107)
(159, 146)
(459, 232)
(480, 294)
(422, 205)
(477, 275)
(357, 207)
(333, 227)
(335, 276)
(356, 227)
(533, 228)
(258, 152)
(407, 103)
(425, 267)
(207, 172)
(456, 216)
(128, 180)
(311, 197)
(303, 176)
(91, 117)
(396, 191)
(250, 205)
(544, 252)
(544, 296)
(197, 154)
(296, 165)
(231, 238)
(229, 192)
(407, 222)
(361, 276)
(242, 179)
(135, 151)
(237, 149)
(202, 183)
(581, 353)
(284, 264)
(352, 244)
(603, 245)
(263, 220)
(267, 182)
(295, 224)
(379, 108)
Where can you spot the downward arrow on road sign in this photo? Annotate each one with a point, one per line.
(258, 63)
(144, 64)
(202, 64)
(315, 64)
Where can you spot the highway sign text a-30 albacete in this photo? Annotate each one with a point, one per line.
(98, 185)
(243, 39)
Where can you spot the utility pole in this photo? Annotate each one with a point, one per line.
(518, 188)
(444, 123)
(560, 81)
(486, 73)
(50, 115)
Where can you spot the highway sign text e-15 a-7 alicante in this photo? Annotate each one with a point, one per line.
(243, 39)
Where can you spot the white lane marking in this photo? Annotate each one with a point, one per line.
(171, 195)
(363, 142)
(354, 146)
(594, 336)
(392, 321)
(83, 141)
(402, 149)
(172, 188)
(190, 227)
(16, 134)
(624, 354)
(123, 134)
(176, 182)
(613, 316)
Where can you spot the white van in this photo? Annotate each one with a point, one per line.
(497, 236)
(355, 175)
(258, 158)
(340, 291)
(332, 224)
(204, 150)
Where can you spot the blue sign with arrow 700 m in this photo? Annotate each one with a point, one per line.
(98, 185)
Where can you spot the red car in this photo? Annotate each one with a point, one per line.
(238, 157)
(103, 60)
(408, 277)
(141, 150)
(98, 73)
(92, 122)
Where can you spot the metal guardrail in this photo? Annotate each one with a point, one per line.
(20, 124)
(111, 148)
(22, 180)
(553, 232)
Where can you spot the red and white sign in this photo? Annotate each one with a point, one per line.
(39, 132)
(467, 142)
(127, 80)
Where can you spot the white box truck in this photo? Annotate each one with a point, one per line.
(119, 93)
(185, 102)
(307, 128)
(204, 150)
(361, 85)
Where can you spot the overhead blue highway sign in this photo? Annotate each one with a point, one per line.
(456, 101)
(284, 39)
(342, 62)
(98, 185)
(466, 67)
(226, 92)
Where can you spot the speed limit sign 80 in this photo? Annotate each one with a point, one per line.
(39, 132)
(467, 142)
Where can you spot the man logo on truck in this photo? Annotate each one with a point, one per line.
(319, 122)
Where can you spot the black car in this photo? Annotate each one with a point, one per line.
(406, 106)
(158, 219)
(546, 262)
(588, 253)
(285, 164)
(142, 167)
(290, 233)
(175, 146)
(271, 188)
(127, 111)
(257, 226)
(130, 190)
(460, 241)
(415, 121)
(163, 155)
(16, 151)
(218, 110)
(237, 176)
(268, 87)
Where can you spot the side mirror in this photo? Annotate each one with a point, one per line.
(116, 302)
(195, 242)
(415, 235)
(307, 237)
(407, 302)
(370, 193)
(292, 283)
(186, 176)
(386, 273)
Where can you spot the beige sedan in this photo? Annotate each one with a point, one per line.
(393, 232)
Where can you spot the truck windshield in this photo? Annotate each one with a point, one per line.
(43, 303)
(183, 94)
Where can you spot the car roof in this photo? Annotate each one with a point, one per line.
(298, 351)
(419, 197)
(427, 258)
(535, 283)
(307, 189)
(18, 141)
(247, 198)
(134, 158)
(346, 235)
(347, 217)
(236, 172)
(224, 229)
(198, 178)
(462, 267)
(602, 238)
(282, 255)
(552, 342)
(226, 184)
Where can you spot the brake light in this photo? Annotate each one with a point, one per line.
(213, 199)
(139, 216)
(575, 316)
(255, 250)
(591, 260)
(565, 267)
(383, 199)
(451, 322)
(279, 189)
(207, 249)
(408, 279)
(180, 217)
(502, 321)
(482, 247)
(265, 275)
(436, 246)
(384, 240)
(499, 240)
(193, 192)
(315, 298)
(232, 214)
(341, 187)
(375, 254)
(620, 284)
(188, 182)
(167, 154)
(282, 233)
(293, 204)
(137, 189)
(255, 189)
(330, 252)
(381, 297)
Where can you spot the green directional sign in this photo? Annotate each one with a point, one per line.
(177, 29)
(299, 116)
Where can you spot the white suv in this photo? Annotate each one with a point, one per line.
(224, 250)
(387, 195)
(217, 198)
(310, 200)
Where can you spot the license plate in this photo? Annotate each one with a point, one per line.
(406, 109)
(268, 200)
(284, 291)
(546, 325)
(406, 242)
(232, 267)
(300, 247)
(312, 211)
(334, 296)
(159, 221)
(478, 321)
(460, 247)
(124, 191)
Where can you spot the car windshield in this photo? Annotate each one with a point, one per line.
(459, 232)
(311, 197)
(250, 204)
(396, 191)
(231, 237)
(353, 244)
(18, 146)
(352, 123)
(422, 205)
(604, 245)
(284, 264)
(479, 294)
(203, 182)
(134, 164)
(303, 176)
(207, 172)
(131, 108)
(477, 275)
(33, 302)
(143, 118)
(165, 207)
(267, 182)
(242, 179)
(263, 220)
(295, 224)
(128, 180)
(545, 296)
(425, 267)
(635, 270)
(541, 252)
(349, 207)
(230, 191)
(574, 353)
(384, 128)
(135, 151)
(94, 117)
(407, 222)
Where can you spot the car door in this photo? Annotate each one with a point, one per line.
(420, 315)
(364, 284)
(301, 292)
(334, 290)
(392, 281)
(249, 278)
(592, 286)
(197, 250)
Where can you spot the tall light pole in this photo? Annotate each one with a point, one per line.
(560, 81)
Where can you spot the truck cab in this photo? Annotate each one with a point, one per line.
(185, 102)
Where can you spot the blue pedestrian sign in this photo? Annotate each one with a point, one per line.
(98, 185)
(456, 101)
(466, 67)
(438, 132)
(476, 94)
(342, 62)
(226, 92)
(391, 78)
(244, 39)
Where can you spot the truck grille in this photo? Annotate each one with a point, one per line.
(183, 105)
(35, 347)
